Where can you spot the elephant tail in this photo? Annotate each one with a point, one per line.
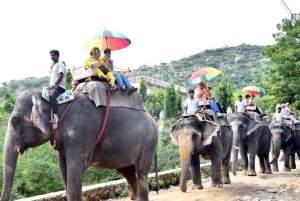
(156, 173)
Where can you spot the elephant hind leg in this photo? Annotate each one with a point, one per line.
(261, 163)
(292, 161)
(130, 176)
(267, 163)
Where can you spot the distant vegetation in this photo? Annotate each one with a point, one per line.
(15, 87)
(242, 65)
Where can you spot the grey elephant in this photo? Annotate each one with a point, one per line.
(251, 137)
(128, 143)
(284, 138)
(194, 138)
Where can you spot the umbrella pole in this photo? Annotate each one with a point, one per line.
(106, 42)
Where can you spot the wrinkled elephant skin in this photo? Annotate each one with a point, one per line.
(128, 143)
(194, 137)
(250, 137)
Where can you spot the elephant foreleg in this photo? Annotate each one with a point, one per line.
(292, 161)
(63, 169)
(286, 166)
(251, 165)
(244, 157)
(75, 171)
(196, 172)
(216, 175)
(130, 176)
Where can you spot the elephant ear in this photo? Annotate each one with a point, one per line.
(257, 125)
(289, 134)
(37, 117)
(209, 130)
(173, 134)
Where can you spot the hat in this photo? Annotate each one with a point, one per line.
(282, 104)
(208, 86)
(287, 104)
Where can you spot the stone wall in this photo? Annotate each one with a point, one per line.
(118, 188)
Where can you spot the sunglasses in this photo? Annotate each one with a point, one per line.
(201, 84)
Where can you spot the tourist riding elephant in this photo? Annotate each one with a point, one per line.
(128, 143)
(284, 138)
(196, 137)
(251, 137)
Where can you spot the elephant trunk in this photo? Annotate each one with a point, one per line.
(235, 149)
(185, 150)
(275, 148)
(10, 156)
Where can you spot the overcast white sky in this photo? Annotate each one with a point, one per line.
(160, 30)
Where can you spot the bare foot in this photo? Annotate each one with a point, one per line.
(54, 122)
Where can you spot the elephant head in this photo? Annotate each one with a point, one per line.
(242, 126)
(281, 134)
(191, 135)
(28, 126)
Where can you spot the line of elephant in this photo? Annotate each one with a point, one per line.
(129, 144)
(221, 145)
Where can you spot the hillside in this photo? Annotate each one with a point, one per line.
(243, 65)
(15, 87)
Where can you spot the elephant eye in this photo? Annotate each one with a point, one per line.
(15, 120)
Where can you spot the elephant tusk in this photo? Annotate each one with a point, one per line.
(18, 149)
(236, 147)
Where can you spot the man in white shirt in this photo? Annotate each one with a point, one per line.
(191, 104)
(56, 85)
(278, 115)
(240, 105)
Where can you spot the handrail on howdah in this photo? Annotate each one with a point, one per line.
(75, 68)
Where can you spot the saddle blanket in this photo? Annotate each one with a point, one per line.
(65, 97)
(98, 92)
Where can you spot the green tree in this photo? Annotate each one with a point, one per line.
(225, 93)
(69, 80)
(283, 81)
(171, 104)
(154, 103)
(9, 102)
(143, 88)
(179, 101)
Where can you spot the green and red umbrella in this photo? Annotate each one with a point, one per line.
(107, 39)
(204, 74)
(254, 90)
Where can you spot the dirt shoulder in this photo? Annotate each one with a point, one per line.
(277, 186)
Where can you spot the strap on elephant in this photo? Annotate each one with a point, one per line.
(106, 115)
(104, 121)
(53, 140)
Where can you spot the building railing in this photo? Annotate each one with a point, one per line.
(157, 82)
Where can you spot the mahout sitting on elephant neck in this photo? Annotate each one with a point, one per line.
(75, 142)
